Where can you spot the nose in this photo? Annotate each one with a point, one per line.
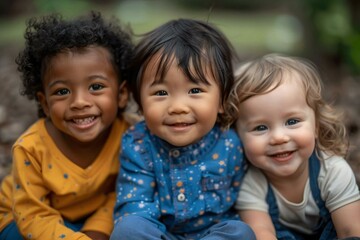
(279, 136)
(80, 100)
(178, 106)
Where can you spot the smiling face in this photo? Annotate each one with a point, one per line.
(81, 93)
(278, 129)
(176, 109)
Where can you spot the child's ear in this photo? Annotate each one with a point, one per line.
(123, 95)
(43, 102)
(221, 109)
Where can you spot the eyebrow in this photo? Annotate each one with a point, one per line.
(98, 76)
(92, 77)
(55, 82)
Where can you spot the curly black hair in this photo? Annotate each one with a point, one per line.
(49, 35)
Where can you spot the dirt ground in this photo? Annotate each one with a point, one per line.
(17, 112)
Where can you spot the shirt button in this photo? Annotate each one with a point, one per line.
(181, 197)
(175, 153)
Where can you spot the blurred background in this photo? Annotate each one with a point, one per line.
(324, 31)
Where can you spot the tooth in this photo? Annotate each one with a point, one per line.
(84, 120)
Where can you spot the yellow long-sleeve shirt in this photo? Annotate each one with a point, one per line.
(45, 187)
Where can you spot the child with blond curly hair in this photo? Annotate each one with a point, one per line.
(298, 185)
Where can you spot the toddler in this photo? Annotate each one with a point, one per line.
(62, 184)
(298, 186)
(180, 171)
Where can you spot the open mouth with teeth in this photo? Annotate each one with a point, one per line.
(83, 121)
(283, 156)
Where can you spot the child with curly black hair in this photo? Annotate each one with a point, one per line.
(65, 165)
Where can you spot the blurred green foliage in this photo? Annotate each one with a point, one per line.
(336, 32)
(323, 28)
(68, 7)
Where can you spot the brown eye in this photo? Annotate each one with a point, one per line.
(96, 87)
(195, 90)
(161, 93)
(62, 91)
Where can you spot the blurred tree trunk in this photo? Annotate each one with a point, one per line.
(14, 8)
(354, 7)
(331, 36)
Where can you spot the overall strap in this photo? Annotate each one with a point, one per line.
(282, 233)
(314, 170)
(325, 226)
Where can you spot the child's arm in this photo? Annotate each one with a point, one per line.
(96, 235)
(102, 219)
(35, 218)
(252, 206)
(347, 220)
(136, 183)
(260, 222)
(341, 195)
(135, 188)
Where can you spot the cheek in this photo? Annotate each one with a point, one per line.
(208, 110)
(307, 136)
(307, 141)
(56, 107)
(109, 101)
(252, 147)
(152, 110)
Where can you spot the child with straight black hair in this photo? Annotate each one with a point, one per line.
(180, 171)
(62, 184)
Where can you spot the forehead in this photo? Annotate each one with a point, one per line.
(96, 52)
(72, 65)
(74, 56)
(295, 79)
(285, 76)
(284, 101)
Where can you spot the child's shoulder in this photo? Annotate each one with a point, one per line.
(35, 141)
(229, 134)
(334, 168)
(331, 163)
(337, 182)
(137, 131)
(31, 135)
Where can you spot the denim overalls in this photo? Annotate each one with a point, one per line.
(324, 230)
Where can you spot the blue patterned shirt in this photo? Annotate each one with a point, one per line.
(182, 189)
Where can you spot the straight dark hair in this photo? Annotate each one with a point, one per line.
(197, 47)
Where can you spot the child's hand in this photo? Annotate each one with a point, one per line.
(94, 235)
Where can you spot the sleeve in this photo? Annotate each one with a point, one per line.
(253, 190)
(236, 161)
(337, 183)
(136, 183)
(33, 214)
(102, 219)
